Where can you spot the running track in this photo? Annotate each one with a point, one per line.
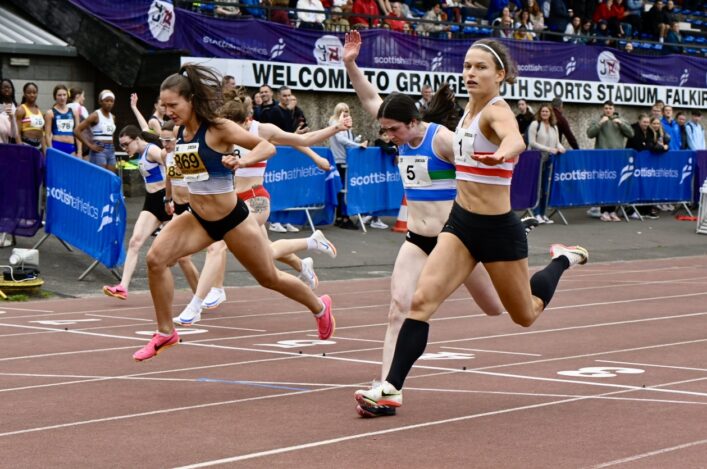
(613, 374)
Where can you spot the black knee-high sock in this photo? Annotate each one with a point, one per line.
(544, 282)
(411, 343)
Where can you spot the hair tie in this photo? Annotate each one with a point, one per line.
(492, 51)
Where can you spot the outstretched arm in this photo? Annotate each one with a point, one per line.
(367, 93)
(505, 126)
(141, 120)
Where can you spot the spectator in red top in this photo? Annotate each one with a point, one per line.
(610, 12)
(364, 7)
(396, 24)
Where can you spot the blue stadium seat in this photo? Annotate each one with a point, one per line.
(486, 31)
(470, 19)
(471, 30)
(454, 28)
(658, 46)
(689, 39)
(701, 40)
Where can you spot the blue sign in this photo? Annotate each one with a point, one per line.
(664, 177)
(85, 207)
(373, 182)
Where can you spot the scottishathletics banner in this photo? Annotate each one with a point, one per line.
(373, 183)
(85, 207)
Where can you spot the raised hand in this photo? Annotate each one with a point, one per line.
(352, 46)
(345, 123)
(133, 100)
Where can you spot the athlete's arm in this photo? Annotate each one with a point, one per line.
(231, 133)
(141, 120)
(19, 115)
(48, 118)
(443, 144)
(367, 93)
(280, 137)
(78, 131)
(504, 124)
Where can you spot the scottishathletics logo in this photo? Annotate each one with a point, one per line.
(684, 77)
(686, 171)
(160, 19)
(437, 62)
(107, 214)
(571, 66)
(278, 49)
(627, 171)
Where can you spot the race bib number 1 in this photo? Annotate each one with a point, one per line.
(464, 148)
(413, 171)
(190, 164)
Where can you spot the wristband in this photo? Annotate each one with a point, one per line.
(167, 200)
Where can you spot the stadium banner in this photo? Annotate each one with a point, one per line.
(664, 177)
(294, 181)
(525, 182)
(253, 73)
(592, 177)
(21, 175)
(90, 216)
(373, 183)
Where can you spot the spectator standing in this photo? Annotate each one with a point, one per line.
(496, 7)
(524, 117)
(661, 140)
(434, 28)
(8, 124)
(673, 39)
(338, 144)
(59, 123)
(395, 18)
(671, 128)
(634, 12)
(423, 103)
(657, 111)
(610, 132)
(587, 32)
(656, 21)
(300, 121)
(584, 8)
(557, 16)
(279, 113)
(643, 138)
(311, 19)
(227, 84)
(536, 16)
(563, 126)
(279, 15)
(266, 101)
(695, 132)
(336, 22)
(364, 7)
(681, 120)
(525, 22)
(544, 136)
(29, 118)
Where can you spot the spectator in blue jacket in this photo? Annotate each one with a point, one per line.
(671, 128)
(496, 6)
(695, 132)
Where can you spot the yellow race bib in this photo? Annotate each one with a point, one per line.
(189, 163)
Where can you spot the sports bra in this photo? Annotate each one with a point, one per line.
(150, 171)
(32, 121)
(201, 166)
(257, 169)
(104, 130)
(471, 141)
(425, 175)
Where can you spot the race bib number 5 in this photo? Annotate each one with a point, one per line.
(413, 171)
(190, 164)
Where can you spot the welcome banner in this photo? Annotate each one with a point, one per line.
(85, 207)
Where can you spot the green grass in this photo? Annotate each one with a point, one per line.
(34, 294)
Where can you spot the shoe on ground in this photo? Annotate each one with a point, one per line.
(635, 216)
(529, 223)
(605, 216)
(116, 291)
(378, 224)
(323, 244)
(348, 225)
(547, 220)
(369, 412)
(540, 219)
(614, 216)
(366, 219)
(189, 316)
(594, 212)
(380, 394)
(156, 345)
(277, 228)
(214, 298)
(291, 228)
(326, 323)
(307, 275)
(575, 254)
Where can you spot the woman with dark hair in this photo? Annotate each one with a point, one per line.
(544, 136)
(481, 228)
(30, 119)
(8, 125)
(59, 123)
(207, 154)
(102, 124)
(426, 165)
(151, 165)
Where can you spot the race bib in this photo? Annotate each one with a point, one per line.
(189, 163)
(464, 147)
(65, 125)
(36, 120)
(413, 171)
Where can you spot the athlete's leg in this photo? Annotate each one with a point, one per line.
(144, 226)
(191, 273)
(479, 285)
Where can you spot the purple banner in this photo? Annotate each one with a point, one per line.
(161, 25)
(21, 174)
(524, 185)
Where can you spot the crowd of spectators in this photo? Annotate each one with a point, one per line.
(608, 22)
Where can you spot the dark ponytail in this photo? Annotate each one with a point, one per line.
(199, 85)
(133, 132)
(443, 108)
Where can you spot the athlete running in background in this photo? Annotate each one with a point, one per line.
(481, 227)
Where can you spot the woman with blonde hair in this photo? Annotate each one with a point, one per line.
(544, 136)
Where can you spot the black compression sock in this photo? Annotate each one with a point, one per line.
(544, 282)
(411, 343)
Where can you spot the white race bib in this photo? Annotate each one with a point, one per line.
(65, 125)
(413, 171)
(464, 147)
(36, 120)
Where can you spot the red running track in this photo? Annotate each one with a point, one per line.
(613, 374)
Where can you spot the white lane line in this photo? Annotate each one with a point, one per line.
(672, 367)
(491, 351)
(649, 454)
